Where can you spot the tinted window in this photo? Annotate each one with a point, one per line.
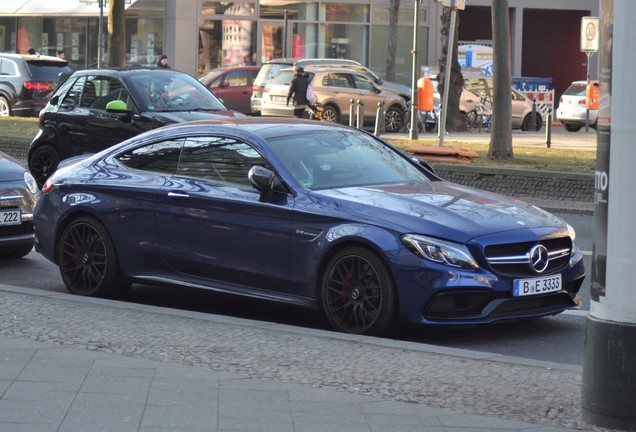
(98, 91)
(46, 71)
(220, 159)
(161, 157)
(75, 91)
(577, 89)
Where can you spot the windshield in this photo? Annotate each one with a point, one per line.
(330, 159)
(172, 91)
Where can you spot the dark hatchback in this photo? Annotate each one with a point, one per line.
(94, 109)
(18, 196)
(27, 82)
(306, 213)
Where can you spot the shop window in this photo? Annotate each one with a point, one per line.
(344, 12)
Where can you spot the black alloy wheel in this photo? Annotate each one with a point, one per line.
(88, 262)
(43, 163)
(358, 295)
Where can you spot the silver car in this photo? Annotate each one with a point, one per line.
(18, 195)
(335, 87)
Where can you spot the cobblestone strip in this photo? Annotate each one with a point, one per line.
(537, 395)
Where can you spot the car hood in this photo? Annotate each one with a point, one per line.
(447, 209)
(168, 117)
(10, 169)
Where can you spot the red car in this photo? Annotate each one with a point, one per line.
(233, 85)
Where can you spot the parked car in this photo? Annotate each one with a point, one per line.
(522, 109)
(94, 109)
(305, 213)
(27, 82)
(571, 111)
(233, 85)
(334, 88)
(18, 196)
(271, 68)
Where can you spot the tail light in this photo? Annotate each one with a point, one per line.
(582, 102)
(255, 88)
(35, 85)
(561, 100)
(266, 90)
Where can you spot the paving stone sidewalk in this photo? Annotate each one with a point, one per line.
(69, 363)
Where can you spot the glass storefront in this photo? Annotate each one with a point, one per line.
(236, 33)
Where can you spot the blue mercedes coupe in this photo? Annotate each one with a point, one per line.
(306, 213)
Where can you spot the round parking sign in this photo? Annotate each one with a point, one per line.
(589, 34)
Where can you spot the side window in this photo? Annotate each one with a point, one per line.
(98, 91)
(363, 83)
(237, 78)
(220, 159)
(7, 67)
(336, 80)
(161, 157)
(75, 92)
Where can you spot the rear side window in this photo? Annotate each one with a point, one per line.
(8, 68)
(161, 157)
(268, 72)
(284, 78)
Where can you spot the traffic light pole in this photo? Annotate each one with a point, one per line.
(609, 371)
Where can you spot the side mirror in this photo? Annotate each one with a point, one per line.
(265, 181)
(116, 106)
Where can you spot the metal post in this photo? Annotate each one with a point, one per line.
(100, 35)
(587, 102)
(414, 75)
(447, 72)
(285, 26)
(533, 120)
(379, 119)
(548, 129)
(351, 112)
(360, 115)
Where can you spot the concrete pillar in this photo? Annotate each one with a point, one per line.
(181, 38)
(609, 371)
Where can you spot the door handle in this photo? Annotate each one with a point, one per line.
(178, 195)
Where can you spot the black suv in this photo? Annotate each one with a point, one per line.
(27, 82)
(94, 109)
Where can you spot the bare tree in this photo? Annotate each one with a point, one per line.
(394, 8)
(455, 120)
(501, 136)
(116, 33)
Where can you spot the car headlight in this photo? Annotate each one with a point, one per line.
(31, 183)
(571, 232)
(440, 251)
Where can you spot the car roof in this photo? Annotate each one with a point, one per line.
(33, 57)
(311, 61)
(127, 70)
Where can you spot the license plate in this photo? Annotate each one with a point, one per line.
(535, 286)
(279, 98)
(10, 217)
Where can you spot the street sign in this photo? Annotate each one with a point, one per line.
(459, 4)
(589, 34)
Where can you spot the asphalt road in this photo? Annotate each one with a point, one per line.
(557, 339)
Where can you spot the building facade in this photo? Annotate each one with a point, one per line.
(200, 34)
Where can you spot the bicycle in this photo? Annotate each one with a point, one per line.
(481, 116)
(422, 123)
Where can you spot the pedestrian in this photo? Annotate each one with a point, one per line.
(163, 62)
(60, 54)
(298, 91)
(32, 51)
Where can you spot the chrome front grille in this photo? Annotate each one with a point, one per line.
(522, 259)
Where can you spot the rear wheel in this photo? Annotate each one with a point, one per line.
(358, 294)
(527, 123)
(5, 107)
(43, 162)
(330, 114)
(88, 261)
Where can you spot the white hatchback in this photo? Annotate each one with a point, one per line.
(571, 112)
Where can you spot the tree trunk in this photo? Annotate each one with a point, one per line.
(455, 120)
(116, 33)
(394, 7)
(501, 136)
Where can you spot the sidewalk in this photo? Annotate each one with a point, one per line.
(74, 364)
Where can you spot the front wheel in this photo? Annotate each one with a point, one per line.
(572, 127)
(527, 123)
(88, 261)
(358, 294)
(43, 163)
(393, 119)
